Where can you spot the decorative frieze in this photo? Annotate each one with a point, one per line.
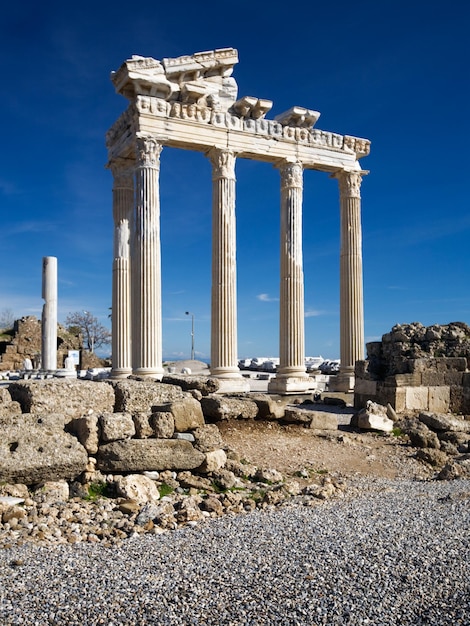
(247, 116)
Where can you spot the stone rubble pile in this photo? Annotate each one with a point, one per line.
(152, 449)
(62, 512)
(443, 440)
(417, 368)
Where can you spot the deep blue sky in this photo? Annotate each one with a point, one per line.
(395, 72)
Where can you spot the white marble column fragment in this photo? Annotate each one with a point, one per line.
(49, 314)
(351, 291)
(291, 375)
(224, 357)
(146, 310)
(123, 203)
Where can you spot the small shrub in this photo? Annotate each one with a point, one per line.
(165, 490)
(98, 490)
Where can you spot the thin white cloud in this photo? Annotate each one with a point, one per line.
(313, 313)
(265, 297)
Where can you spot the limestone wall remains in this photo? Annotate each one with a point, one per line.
(417, 368)
(24, 341)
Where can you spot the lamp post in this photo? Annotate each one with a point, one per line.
(192, 333)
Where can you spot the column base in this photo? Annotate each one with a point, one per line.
(290, 384)
(149, 372)
(65, 373)
(230, 381)
(342, 382)
(120, 372)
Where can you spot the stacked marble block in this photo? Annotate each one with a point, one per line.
(417, 368)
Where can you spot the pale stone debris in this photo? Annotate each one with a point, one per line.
(191, 102)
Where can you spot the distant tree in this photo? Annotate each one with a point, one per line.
(93, 332)
(7, 319)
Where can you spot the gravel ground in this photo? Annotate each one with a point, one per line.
(393, 552)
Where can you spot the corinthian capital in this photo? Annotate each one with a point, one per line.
(123, 173)
(350, 184)
(223, 163)
(148, 152)
(291, 175)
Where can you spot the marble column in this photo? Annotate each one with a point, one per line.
(123, 203)
(224, 357)
(291, 375)
(49, 315)
(351, 292)
(146, 310)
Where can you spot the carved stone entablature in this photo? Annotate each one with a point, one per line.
(217, 62)
(298, 116)
(191, 102)
(202, 78)
(251, 107)
(142, 75)
(361, 147)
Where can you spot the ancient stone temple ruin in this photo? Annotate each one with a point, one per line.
(191, 102)
(417, 368)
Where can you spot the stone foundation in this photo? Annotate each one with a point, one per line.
(416, 368)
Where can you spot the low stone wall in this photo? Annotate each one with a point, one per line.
(83, 430)
(415, 368)
(25, 341)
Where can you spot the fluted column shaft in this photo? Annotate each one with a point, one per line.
(292, 337)
(351, 290)
(224, 357)
(123, 202)
(291, 375)
(49, 314)
(146, 264)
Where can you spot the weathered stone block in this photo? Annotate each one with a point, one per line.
(207, 438)
(368, 420)
(140, 455)
(439, 399)
(322, 420)
(204, 384)
(72, 398)
(442, 422)
(453, 378)
(137, 487)
(7, 405)
(217, 408)
(457, 399)
(365, 387)
(187, 414)
(417, 398)
(420, 435)
(139, 396)
(297, 416)
(86, 430)
(214, 461)
(433, 378)
(143, 429)
(405, 380)
(268, 407)
(35, 449)
(163, 424)
(114, 426)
